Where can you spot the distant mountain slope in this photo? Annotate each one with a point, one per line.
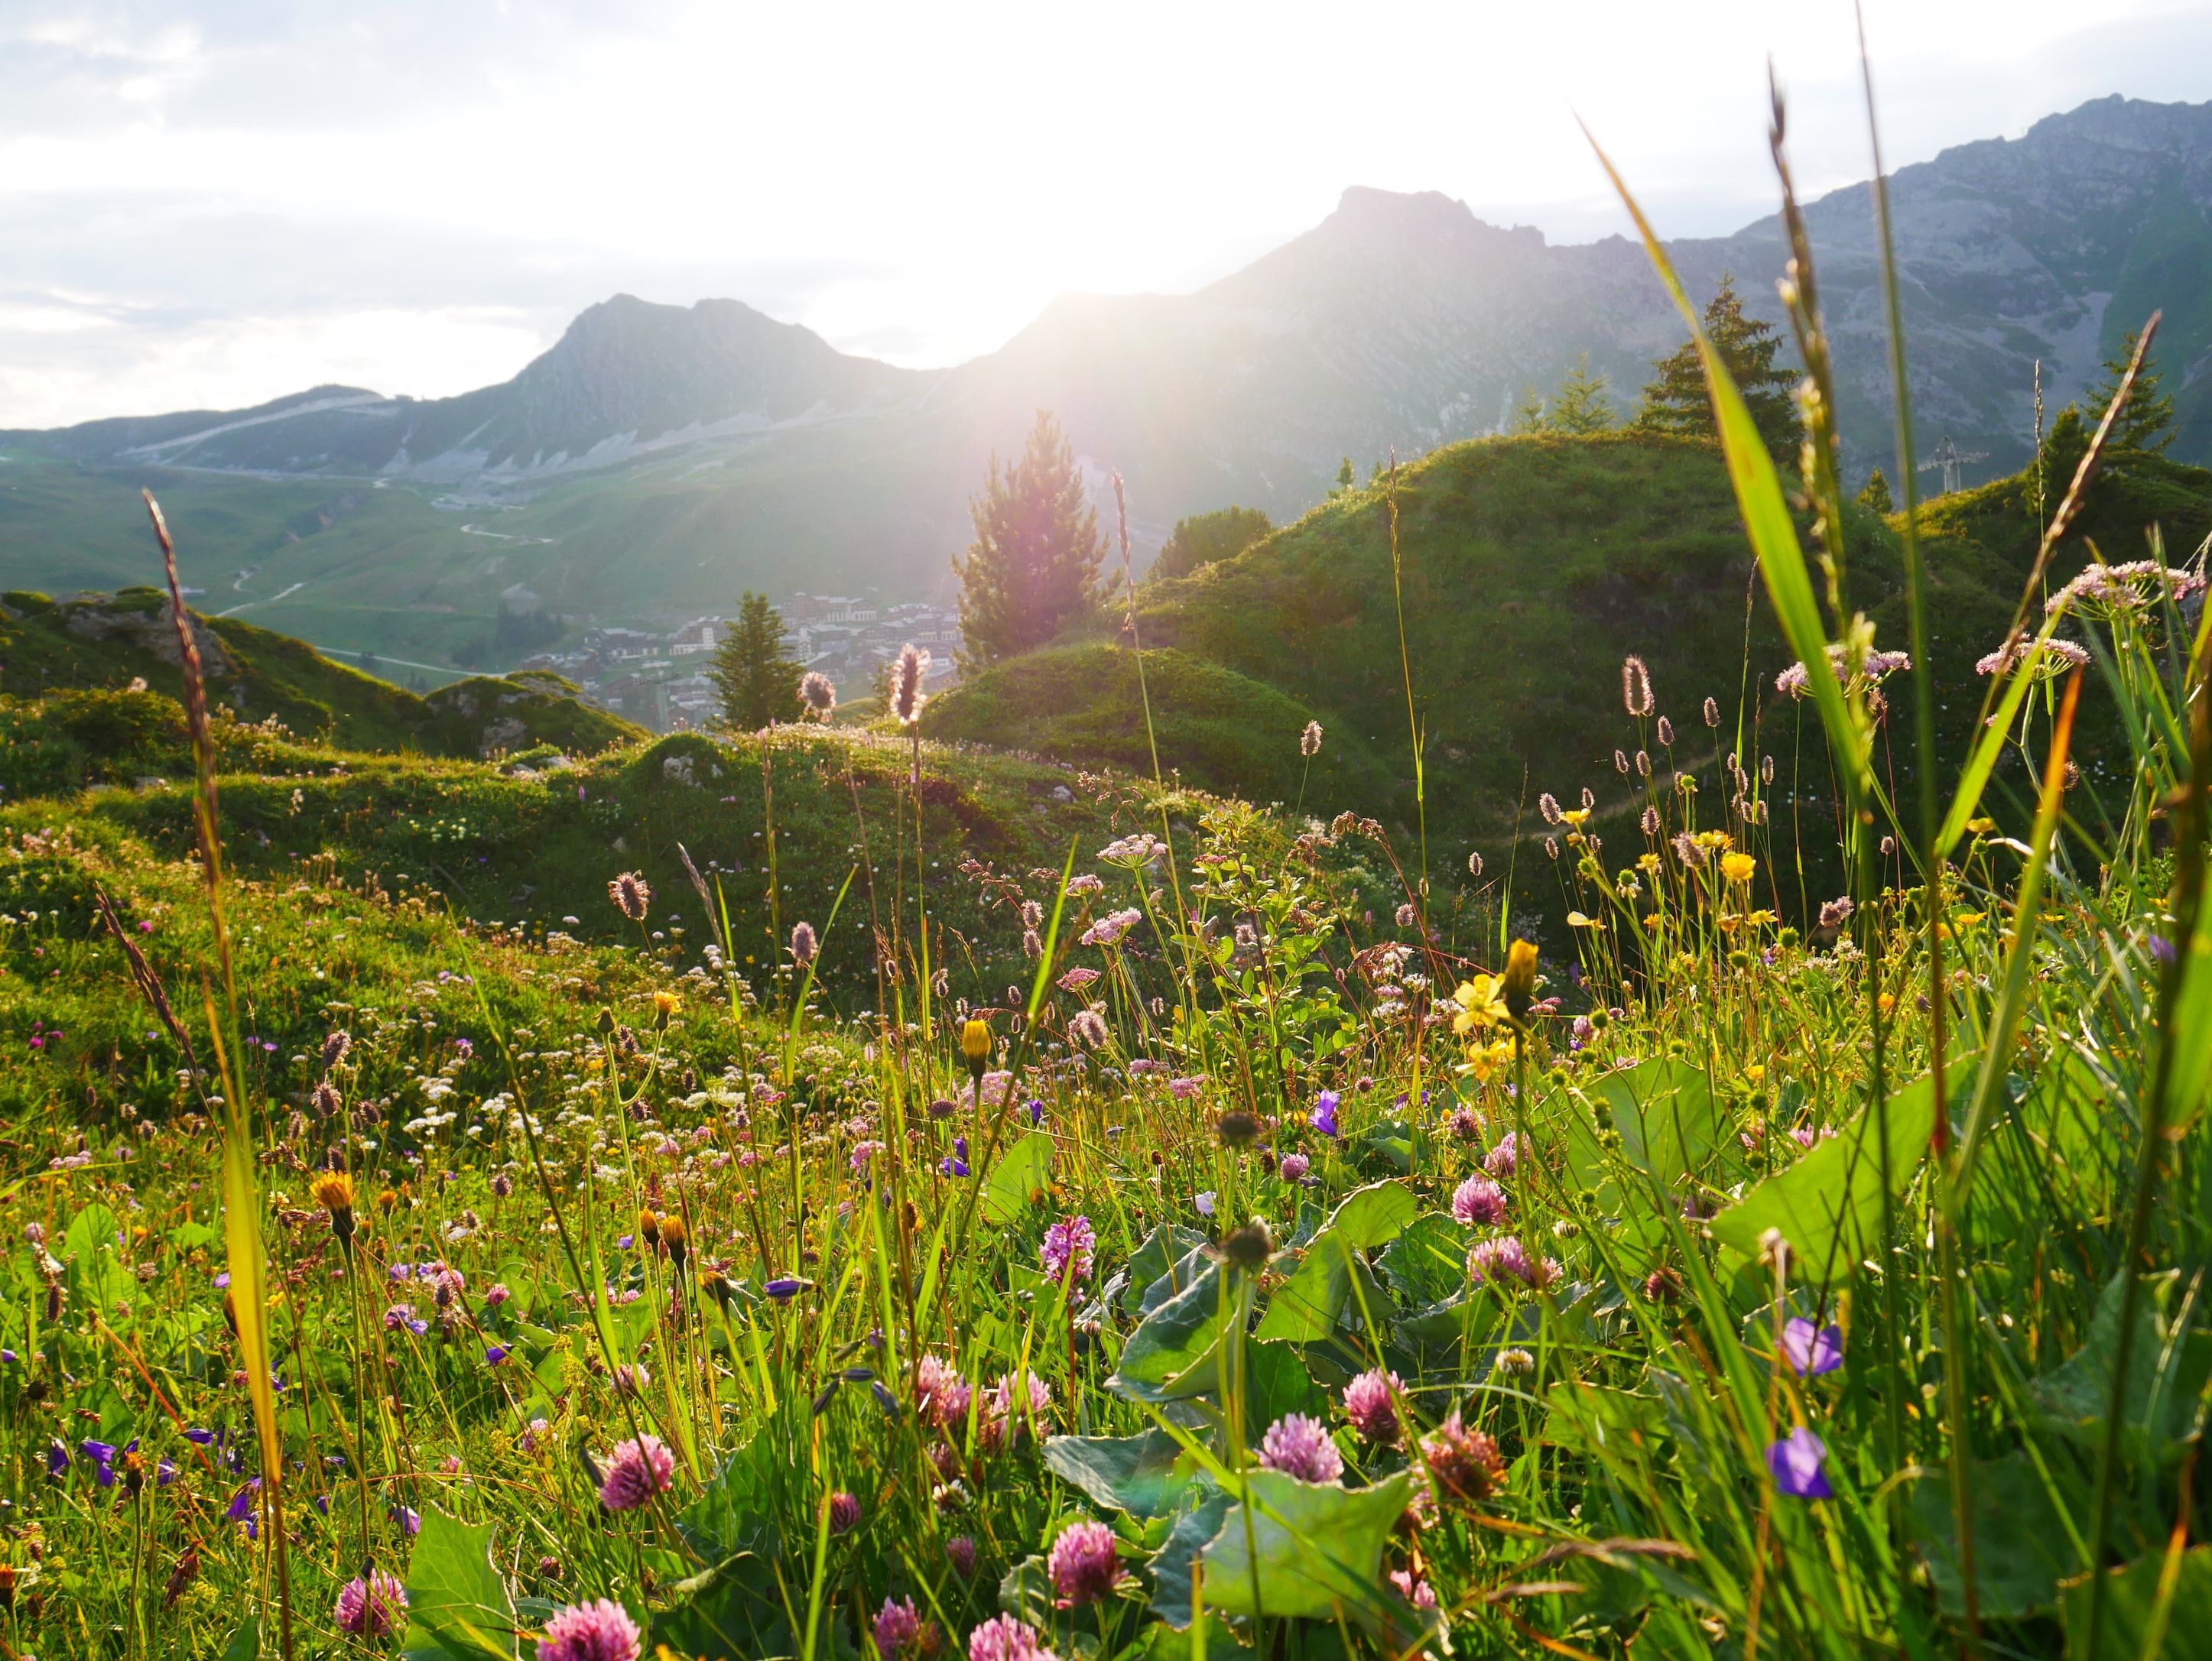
(657, 459)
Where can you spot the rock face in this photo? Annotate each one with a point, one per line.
(1400, 322)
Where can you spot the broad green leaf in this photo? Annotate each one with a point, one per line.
(1171, 1564)
(1025, 1592)
(1828, 1205)
(1310, 1550)
(1144, 1475)
(2023, 1548)
(2166, 1372)
(736, 1511)
(2134, 1620)
(1019, 1174)
(458, 1605)
(1666, 1115)
(734, 1611)
(1589, 1418)
(245, 1644)
(1306, 1308)
(1174, 1352)
(1167, 1260)
(1162, 1642)
(1427, 1264)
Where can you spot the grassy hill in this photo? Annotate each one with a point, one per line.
(1529, 566)
(91, 643)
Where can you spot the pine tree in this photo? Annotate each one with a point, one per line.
(2145, 428)
(1676, 401)
(1581, 405)
(1875, 498)
(1345, 478)
(754, 683)
(1201, 538)
(1528, 414)
(1035, 560)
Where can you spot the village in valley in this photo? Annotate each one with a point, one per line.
(659, 679)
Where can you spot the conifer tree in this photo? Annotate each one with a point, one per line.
(1528, 414)
(1345, 478)
(755, 684)
(1581, 405)
(1875, 498)
(1675, 400)
(2145, 428)
(1035, 560)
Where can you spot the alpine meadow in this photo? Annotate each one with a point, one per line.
(1591, 1040)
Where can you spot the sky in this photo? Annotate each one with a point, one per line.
(207, 204)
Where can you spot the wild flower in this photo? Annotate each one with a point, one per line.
(1295, 1166)
(1473, 864)
(844, 1511)
(1369, 1403)
(1796, 1462)
(2052, 656)
(1108, 930)
(1738, 867)
(1478, 1202)
(2136, 585)
(1809, 1351)
(1007, 1637)
(1503, 1258)
(804, 945)
(1309, 740)
(898, 1628)
(1635, 687)
(907, 676)
(1323, 1117)
(1666, 733)
(370, 1604)
(1067, 1250)
(1302, 1447)
(1009, 1409)
(941, 1396)
(1084, 1565)
(598, 1631)
(1500, 1160)
(631, 895)
(1548, 805)
(1086, 1030)
(1834, 914)
(818, 693)
(1465, 1464)
(960, 1552)
(1076, 979)
(1713, 713)
(638, 1469)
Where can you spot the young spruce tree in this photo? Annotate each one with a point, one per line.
(1675, 401)
(754, 683)
(1035, 560)
(2145, 428)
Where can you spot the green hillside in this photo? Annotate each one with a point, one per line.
(90, 643)
(1530, 566)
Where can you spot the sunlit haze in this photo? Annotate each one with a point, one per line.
(206, 204)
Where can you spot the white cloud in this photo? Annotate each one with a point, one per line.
(271, 196)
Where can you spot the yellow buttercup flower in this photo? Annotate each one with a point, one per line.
(1481, 1003)
(1483, 1060)
(1577, 817)
(1738, 867)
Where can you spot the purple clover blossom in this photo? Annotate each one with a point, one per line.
(1502, 1160)
(1084, 1566)
(1503, 1258)
(1324, 1117)
(638, 1469)
(1302, 1447)
(1007, 1637)
(598, 1631)
(1796, 1462)
(1295, 1166)
(1479, 1202)
(369, 1606)
(1066, 1250)
(844, 1513)
(1811, 1351)
(1368, 1404)
(898, 1626)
